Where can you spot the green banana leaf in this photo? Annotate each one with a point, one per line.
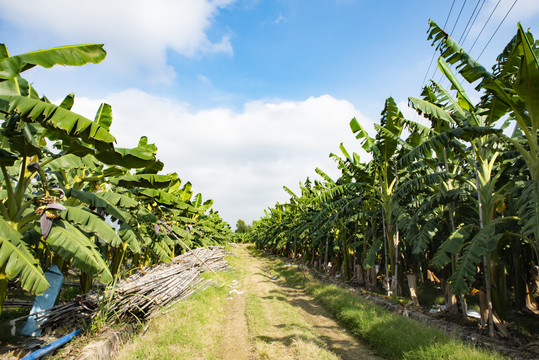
(470, 69)
(119, 200)
(94, 200)
(131, 238)
(104, 116)
(153, 181)
(91, 223)
(19, 261)
(68, 102)
(392, 124)
(68, 242)
(451, 246)
(73, 55)
(142, 156)
(56, 118)
(367, 142)
(7, 158)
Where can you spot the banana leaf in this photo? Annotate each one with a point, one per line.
(19, 260)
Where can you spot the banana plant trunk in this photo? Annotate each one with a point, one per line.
(85, 282)
(117, 259)
(454, 259)
(3, 286)
(486, 267)
(386, 245)
(326, 255)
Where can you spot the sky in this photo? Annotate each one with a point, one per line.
(243, 97)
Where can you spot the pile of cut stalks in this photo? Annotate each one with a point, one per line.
(141, 295)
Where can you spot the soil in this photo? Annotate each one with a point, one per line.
(257, 282)
(286, 308)
(235, 333)
(518, 346)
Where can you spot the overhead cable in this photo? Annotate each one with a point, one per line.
(485, 25)
(469, 20)
(451, 33)
(458, 17)
(501, 22)
(435, 50)
(473, 22)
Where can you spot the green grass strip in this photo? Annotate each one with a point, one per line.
(390, 335)
(191, 329)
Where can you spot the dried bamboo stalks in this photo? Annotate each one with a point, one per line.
(143, 294)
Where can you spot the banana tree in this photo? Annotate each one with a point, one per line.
(476, 129)
(25, 121)
(512, 88)
(384, 151)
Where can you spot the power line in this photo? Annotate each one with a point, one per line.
(451, 33)
(473, 22)
(484, 26)
(469, 20)
(458, 18)
(501, 22)
(435, 50)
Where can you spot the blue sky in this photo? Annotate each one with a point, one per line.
(245, 96)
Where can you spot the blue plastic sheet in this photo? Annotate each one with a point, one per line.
(45, 301)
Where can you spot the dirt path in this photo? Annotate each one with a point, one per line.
(281, 321)
(235, 334)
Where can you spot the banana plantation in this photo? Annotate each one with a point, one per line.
(456, 200)
(69, 197)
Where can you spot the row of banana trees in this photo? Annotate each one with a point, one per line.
(69, 197)
(458, 198)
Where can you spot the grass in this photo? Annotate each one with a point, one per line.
(190, 328)
(193, 328)
(390, 335)
(393, 336)
(278, 331)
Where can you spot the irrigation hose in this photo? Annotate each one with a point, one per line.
(52, 346)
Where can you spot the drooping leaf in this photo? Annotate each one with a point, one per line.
(74, 55)
(451, 246)
(68, 242)
(92, 223)
(470, 69)
(19, 261)
(142, 156)
(56, 118)
(153, 181)
(94, 200)
(429, 110)
(7, 158)
(367, 142)
(372, 254)
(131, 238)
(117, 199)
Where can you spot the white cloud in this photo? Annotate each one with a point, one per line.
(240, 159)
(280, 19)
(137, 33)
